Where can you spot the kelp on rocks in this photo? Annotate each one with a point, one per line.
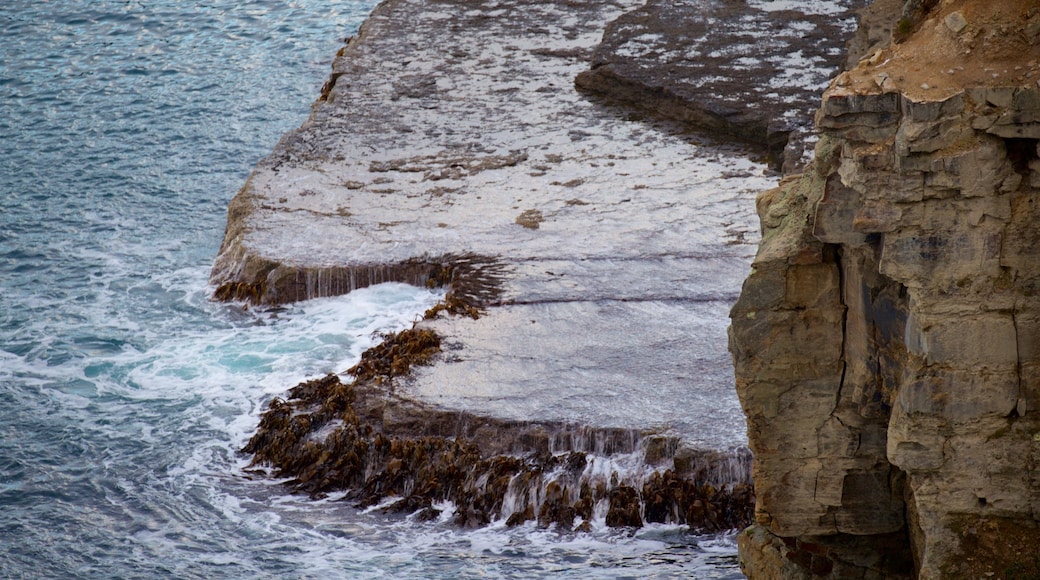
(334, 436)
(363, 438)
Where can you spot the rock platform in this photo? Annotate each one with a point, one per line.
(604, 244)
(752, 71)
(453, 128)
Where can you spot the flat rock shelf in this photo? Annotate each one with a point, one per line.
(453, 128)
(603, 244)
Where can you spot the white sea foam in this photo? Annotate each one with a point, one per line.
(127, 391)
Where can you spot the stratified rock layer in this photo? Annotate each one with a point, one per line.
(887, 342)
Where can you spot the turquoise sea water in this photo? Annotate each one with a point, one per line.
(125, 128)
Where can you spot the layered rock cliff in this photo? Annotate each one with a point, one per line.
(887, 341)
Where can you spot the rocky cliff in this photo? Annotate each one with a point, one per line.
(887, 341)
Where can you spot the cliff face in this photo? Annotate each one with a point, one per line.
(887, 342)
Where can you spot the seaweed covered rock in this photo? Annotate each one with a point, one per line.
(624, 510)
(669, 497)
(357, 437)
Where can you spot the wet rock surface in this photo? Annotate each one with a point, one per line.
(421, 151)
(591, 252)
(885, 344)
(751, 70)
(328, 437)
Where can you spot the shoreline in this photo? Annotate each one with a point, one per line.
(579, 213)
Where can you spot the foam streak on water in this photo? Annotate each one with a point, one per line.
(131, 449)
(126, 128)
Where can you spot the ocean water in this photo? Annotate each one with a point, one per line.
(126, 126)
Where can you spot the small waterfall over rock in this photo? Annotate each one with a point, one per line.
(470, 275)
(330, 436)
(630, 488)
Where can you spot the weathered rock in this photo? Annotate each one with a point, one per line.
(885, 341)
(448, 130)
(697, 62)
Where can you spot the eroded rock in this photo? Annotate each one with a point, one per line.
(884, 342)
(746, 70)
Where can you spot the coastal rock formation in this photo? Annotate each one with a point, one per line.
(474, 164)
(751, 71)
(358, 438)
(591, 254)
(887, 342)
(449, 147)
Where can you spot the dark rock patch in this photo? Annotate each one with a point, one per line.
(332, 436)
(742, 70)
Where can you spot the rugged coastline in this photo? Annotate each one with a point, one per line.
(481, 168)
